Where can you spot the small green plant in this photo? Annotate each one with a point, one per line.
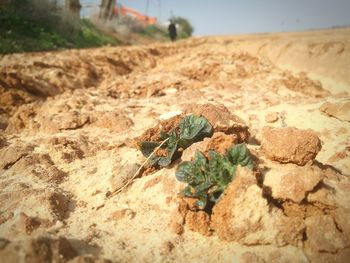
(207, 178)
(191, 129)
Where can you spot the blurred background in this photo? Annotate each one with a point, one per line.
(32, 25)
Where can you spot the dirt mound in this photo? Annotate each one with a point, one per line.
(44, 75)
(280, 220)
(304, 85)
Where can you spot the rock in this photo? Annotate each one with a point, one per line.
(119, 214)
(188, 153)
(221, 119)
(292, 182)
(10, 155)
(327, 238)
(153, 134)
(290, 145)
(245, 219)
(339, 110)
(239, 209)
(323, 195)
(198, 222)
(244, 215)
(70, 120)
(271, 117)
(219, 142)
(41, 249)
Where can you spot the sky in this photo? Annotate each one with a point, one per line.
(227, 17)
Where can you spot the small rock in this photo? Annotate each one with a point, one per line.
(219, 142)
(293, 182)
(290, 145)
(271, 117)
(339, 110)
(119, 214)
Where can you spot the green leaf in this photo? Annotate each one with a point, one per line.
(194, 128)
(208, 178)
(200, 158)
(148, 147)
(183, 170)
(165, 161)
(240, 155)
(187, 192)
(191, 129)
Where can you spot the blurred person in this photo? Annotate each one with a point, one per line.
(172, 30)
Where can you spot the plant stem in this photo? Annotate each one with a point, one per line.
(138, 170)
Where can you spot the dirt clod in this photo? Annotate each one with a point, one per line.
(290, 145)
(221, 119)
(294, 182)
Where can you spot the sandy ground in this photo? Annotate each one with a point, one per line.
(67, 124)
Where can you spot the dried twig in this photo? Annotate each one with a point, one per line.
(138, 170)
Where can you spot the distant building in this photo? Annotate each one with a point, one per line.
(121, 10)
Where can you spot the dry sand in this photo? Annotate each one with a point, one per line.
(67, 123)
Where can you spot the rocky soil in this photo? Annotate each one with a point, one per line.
(69, 122)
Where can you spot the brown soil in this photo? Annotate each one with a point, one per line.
(68, 121)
